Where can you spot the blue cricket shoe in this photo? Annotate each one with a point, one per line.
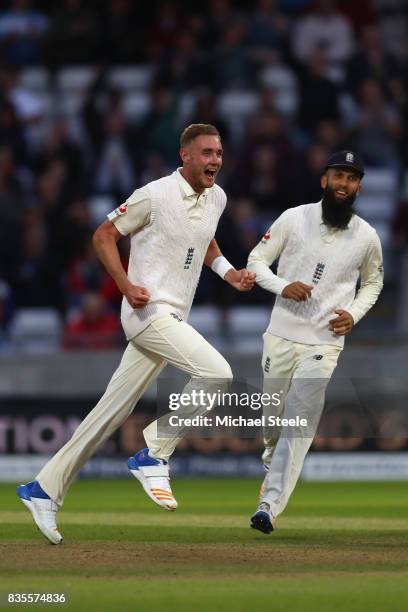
(153, 475)
(43, 510)
(262, 520)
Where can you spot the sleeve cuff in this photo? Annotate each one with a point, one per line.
(281, 283)
(356, 316)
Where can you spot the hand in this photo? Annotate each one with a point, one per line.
(242, 280)
(297, 291)
(136, 296)
(342, 324)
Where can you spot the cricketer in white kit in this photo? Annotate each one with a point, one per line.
(323, 249)
(172, 222)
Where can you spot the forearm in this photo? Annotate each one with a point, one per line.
(108, 253)
(267, 251)
(265, 278)
(372, 279)
(213, 252)
(218, 263)
(365, 299)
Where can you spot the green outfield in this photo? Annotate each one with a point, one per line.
(339, 546)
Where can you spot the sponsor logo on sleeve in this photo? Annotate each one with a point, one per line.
(122, 209)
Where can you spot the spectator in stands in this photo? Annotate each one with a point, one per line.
(69, 231)
(27, 105)
(267, 161)
(51, 196)
(10, 186)
(261, 179)
(205, 111)
(6, 309)
(331, 135)
(124, 32)
(268, 29)
(85, 274)
(35, 277)
(158, 131)
(115, 172)
(318, 95)
(394, 26)
(221, 15)
(155, 167)
(111, 139)
(240, 226)
(91, 113)
(278, 77)
(22, 33)
(184, 66)
(75, 35)
(58, 146)
(325, 27)
(400, 232)
(359, 14)
(371, 61)
(248, 222)
(401, 101)
(11, 208)
(167, 23)
(375, 126)
(232, 64)
(95, 327)
(309, 172)
(11, 132)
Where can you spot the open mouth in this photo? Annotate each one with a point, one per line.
(210, 173)
(341, 194)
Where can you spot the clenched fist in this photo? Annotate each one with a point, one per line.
(342, 324)
(136, 296)
(242, 280)
(297, 291)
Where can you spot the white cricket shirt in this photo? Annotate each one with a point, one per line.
(330, 260)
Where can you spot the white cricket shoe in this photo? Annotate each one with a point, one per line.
(153, 475)
(42, 508)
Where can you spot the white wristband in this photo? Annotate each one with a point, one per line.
(220, 266)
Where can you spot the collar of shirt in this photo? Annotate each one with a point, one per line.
(186, 189)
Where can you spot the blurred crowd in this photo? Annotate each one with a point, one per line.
(94, 94)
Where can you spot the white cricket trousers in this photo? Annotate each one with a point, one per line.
(302, 372)
(166, 340)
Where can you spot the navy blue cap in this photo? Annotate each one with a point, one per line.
(346, 159)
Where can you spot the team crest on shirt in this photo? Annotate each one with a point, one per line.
(266, 236)
(318, 273)
(189, 258)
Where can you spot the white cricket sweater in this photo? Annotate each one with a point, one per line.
(330, 260)
(167, 255)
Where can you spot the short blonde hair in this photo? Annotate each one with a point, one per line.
(194, 130)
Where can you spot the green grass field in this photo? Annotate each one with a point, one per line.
(338, 546)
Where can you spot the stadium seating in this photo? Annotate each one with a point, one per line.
(36, 330)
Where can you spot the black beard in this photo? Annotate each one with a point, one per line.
(337, 213)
